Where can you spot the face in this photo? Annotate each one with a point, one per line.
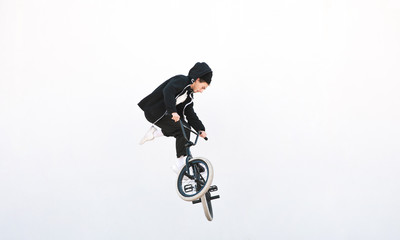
(198, 86)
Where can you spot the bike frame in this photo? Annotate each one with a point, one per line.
(202, 185)
(189, 144)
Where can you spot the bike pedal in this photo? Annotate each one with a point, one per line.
(196, 201)
(188, 188)
(214, 197)
(213, 188)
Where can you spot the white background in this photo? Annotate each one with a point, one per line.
(302, 117)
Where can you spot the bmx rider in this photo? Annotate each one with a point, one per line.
(173, 101)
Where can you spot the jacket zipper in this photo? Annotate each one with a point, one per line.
(166, 111)
(181, 93)
(160, 117)
(183, 112)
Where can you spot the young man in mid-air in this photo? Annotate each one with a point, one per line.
(173, 101)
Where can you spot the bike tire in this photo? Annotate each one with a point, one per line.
(207, 206)
(203, 189)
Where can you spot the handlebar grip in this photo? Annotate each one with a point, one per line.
(206, 138)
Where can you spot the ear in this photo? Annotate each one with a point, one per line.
(197, 80)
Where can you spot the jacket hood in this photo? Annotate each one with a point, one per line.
(199, 69)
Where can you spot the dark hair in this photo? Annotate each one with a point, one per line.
(206, 78)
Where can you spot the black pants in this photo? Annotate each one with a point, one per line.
(170, 128)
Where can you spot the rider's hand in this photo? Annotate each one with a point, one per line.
(175, 116)
(203, 134)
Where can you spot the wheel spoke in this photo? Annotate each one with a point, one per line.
(188, 176)
(193, 184)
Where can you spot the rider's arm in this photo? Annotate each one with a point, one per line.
(175, 116)
(203, 134)
(193, 120)
(174, 86)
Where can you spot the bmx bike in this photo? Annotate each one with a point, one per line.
(195, 178)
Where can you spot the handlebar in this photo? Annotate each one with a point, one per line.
(190, 129)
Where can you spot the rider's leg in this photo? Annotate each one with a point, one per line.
(178, 165)
(180, 151)
(173, 129)
(158, 133)
(152, 133)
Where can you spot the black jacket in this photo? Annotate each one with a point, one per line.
(162, 100)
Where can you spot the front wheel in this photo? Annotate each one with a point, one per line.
(195, 183)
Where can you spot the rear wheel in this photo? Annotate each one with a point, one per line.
(206, 202)
(195, 183)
